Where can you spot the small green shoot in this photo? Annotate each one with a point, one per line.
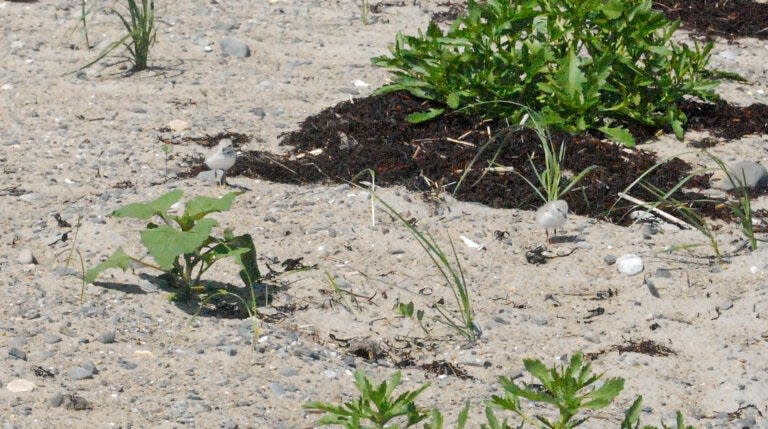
(551, 178)
(463, 323)
(632, 418)
(742, 207)
(376, 406)
(183, 246)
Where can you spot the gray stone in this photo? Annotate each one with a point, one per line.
(106, 337)
(609, 259)
(84, 371)
(663, 273)
(234, 48)
(745, 173)
(17, 353)
(56, 400)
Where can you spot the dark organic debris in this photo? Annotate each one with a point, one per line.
(371, 133)
(42, 372)
(441, 367)
(647, 347)
(726, 18)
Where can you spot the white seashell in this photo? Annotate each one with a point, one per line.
(629, 264)
(471, 244)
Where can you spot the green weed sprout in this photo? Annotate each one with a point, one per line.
(452, 272)
(551, 178)
(570, 390)
(585, 65)
(182, 246)
(376, 405)
(139, 24)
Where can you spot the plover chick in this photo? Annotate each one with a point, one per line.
(552, 215)
(222, 158)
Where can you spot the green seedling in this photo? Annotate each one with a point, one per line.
(85, 11)
(551, 178)
(167, 149)
(376, 406)
(463, 322)
(183, 247)
(585, 65)
(632, 418)
(571, 390)
(141, 32)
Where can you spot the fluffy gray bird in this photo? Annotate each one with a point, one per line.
(552, 215)
(222, 158)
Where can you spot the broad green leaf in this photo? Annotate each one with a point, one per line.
(147, 210)
(165, 243)
(572, 78)
(245, 257)
(200, 206)
(619, 134)
(453, 100)
(613, 9)
(419, 117)
(119, 259)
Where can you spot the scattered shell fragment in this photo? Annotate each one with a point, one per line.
(178, 125)
(471, 244)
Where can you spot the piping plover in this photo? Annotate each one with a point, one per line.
(222, 158)
(552, 215)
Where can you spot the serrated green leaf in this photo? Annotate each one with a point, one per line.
(453, 101)
(619, 134)
(605, 394)
(200, 206)
(146, 210)
(165, 243)
(419, 117)
(119, 259)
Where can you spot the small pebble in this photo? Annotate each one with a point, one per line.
(609, 259)
(20, 385)
(17, 353)
(106, 337)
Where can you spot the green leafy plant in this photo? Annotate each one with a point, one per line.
(569, 389)
(463, 323)
(139, 23)
(583, 64)
(183, 247)
(376, 405)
